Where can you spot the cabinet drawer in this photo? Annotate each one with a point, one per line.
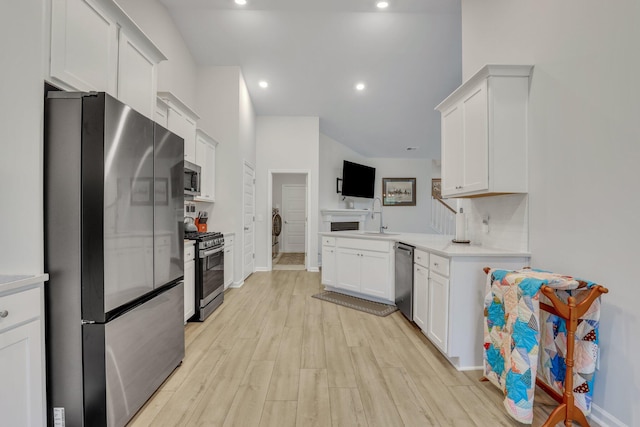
(19, 307)
(421, 258)
(228, 241)
(189, 252)
(364, 244)
(328, 241)
(439, 264)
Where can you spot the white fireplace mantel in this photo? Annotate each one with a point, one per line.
(343, 215)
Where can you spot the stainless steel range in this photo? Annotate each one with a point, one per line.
(209, 272)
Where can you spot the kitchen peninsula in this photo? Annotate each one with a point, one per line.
(448, 288)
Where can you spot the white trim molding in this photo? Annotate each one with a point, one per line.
(343, 215)
(603, 418)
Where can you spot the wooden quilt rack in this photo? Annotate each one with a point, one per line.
(566, 411)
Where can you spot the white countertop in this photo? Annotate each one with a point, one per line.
(188, 242)
(436, 243)
(11, 282)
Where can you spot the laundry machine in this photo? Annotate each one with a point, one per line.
(276, 229)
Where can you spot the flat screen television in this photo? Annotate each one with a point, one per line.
(358, 180)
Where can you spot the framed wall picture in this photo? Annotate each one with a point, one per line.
(398, 191)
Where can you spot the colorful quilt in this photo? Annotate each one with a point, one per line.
(521, 342)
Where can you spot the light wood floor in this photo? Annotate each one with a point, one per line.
(273, 356)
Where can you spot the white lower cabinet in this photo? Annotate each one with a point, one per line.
(420, 289)
(189, 281)
(363, 267)
(22, 359)
(329, 265)
(438, 310)
(228, 260)
(374, 274)
(348, 269)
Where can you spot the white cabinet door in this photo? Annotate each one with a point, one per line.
(185, 128)
(136, 77)
(374, 274)
(420, 296)
(206, 159)
(21, 394)
(190, 139)
(189, 289)
(475, 116)
(452, 151)
(328, 265)
(484, 133)
(228, 262)
(348, 269)
(84, 46)
(438, 310)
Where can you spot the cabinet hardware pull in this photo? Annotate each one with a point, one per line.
(4, 313)
(435, 264)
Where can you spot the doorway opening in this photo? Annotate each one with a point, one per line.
(288, 199)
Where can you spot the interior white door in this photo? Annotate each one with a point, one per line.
(294, 217)
(248, 208)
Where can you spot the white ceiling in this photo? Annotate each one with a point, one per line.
(312, 53)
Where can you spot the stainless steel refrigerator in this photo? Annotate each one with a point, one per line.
(114, 252)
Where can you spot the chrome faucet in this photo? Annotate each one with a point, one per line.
(373, 212)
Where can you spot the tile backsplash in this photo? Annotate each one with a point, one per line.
(507, 217)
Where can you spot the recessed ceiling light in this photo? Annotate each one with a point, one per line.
(241, 2)
(360, 86)
(382, 4)
(263, 84)
(412, 148)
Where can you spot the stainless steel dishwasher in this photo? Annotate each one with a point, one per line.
(404, 279)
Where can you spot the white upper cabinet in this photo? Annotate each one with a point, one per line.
(95, 46)
(84, 46)
(206, 159)
(484, 133)
(181, 120)
(137, 76)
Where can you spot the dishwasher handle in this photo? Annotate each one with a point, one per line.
(408, 250)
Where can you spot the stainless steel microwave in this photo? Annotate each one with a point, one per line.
(191, 179)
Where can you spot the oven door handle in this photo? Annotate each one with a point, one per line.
(204, 254)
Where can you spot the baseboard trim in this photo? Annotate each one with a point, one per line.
(313, 270)
(603, 418)
(470, 368)
(236, 285)
(262, 269)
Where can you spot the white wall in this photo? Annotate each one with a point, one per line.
(21, 148)
(178, 73)
(413, 219)
(508, 218)
(227, 114)
(285, 143)
(583, 156)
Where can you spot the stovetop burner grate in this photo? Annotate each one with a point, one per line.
(200, 236)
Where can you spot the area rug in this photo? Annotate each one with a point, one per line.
(370, 307)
